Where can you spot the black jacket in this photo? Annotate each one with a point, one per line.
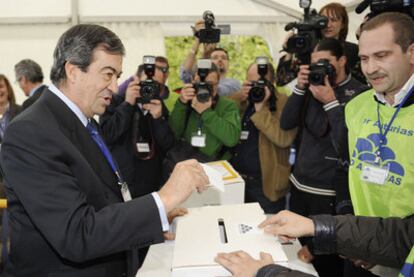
(120, 124)
(37, 93)
(375, 240)
(65, 208)
(322, 146)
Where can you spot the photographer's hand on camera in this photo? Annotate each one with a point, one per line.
(324, 94)
(303, 77)
(132, 92)
(187, 93)
(200, 107)
(247, 85)
(154, 108)
(258, 106)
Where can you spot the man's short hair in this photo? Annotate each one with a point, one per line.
(339, 11)
(29, 69)
(140, 70)
(332, 45)
(220, 49)
(402, 25)
(162, 59)
(76, 46)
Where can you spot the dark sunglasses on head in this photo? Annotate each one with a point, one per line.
(164, 69)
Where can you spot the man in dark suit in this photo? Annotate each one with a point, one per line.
(29, 75)
(71, 214)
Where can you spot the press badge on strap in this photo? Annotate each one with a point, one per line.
(126, 195)
(143, 147)
(198, 140)
(244, 135)
(375, 174)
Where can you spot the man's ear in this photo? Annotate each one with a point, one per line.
(342, 61)
(410, 51)
(72, 72)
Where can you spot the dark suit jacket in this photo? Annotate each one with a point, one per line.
(36, 95)
(66, 218)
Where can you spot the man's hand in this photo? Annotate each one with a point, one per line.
(324, 94)
(132, 92)
(288, 225)
(303, 76)
(154, 108)
(305, 255)
(241, 264)
(186, 177)
(247, 85)
(187, 93)
(201, 107)
(171, 215)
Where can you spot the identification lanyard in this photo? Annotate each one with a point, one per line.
(383, 135)
(105, 151)
(198, 139)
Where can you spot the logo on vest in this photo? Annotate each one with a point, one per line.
(365, 150)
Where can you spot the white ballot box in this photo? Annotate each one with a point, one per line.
(206, 231)
(233, 189)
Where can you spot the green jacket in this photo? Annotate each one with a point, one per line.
(220, 124)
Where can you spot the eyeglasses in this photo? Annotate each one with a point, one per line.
(164, 69)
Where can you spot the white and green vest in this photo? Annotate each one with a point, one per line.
(396, 196)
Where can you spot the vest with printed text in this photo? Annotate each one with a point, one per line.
(395, 197)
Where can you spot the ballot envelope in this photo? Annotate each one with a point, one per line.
(233, 192)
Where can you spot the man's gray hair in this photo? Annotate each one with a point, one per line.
(76, 46)
(29, 69)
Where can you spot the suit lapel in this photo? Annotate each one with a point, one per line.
(74, 130)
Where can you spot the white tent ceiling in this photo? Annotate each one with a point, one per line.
(30, 29)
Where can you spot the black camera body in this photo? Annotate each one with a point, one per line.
(308, 34)
(319, 70)
(203, 90)
(150, 89)
(257, 92)
(380, 6)
(209, 34)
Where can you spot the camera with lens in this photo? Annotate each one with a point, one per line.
(150, 89)
(308, 32)
(257, 92)
(380, 6)
(319, 70)
(203, 90)
(210, 34)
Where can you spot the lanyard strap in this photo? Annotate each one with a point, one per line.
(383, 135)
(199, 126)
(105, 151)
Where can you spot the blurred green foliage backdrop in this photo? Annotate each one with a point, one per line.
(242, 51)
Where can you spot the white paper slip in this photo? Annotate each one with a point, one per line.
(214, 176)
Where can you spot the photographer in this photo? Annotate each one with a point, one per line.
(210, 123)
(317, 108)
(219, 56)
(161, 76)
(337, 27)
(263, 149)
